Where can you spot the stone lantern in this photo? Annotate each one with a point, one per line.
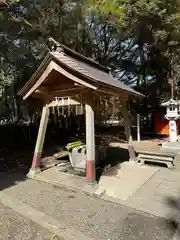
(172, 114)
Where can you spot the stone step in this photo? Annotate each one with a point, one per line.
(166, 158)
(157, 153)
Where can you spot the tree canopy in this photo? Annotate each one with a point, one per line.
(137, 39)
(154, 27)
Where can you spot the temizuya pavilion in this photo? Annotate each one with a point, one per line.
(66, 73)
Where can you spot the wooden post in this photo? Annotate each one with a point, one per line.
(90, 142)
(40, 140)
(113, 106)
(127, 127)
(138, 128)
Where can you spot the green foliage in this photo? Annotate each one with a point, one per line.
(136, 39)
(154, 27)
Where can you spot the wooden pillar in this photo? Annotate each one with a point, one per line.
(127, 127)
(138, 128)
(40, 138)
(113, 106)
(90, 141)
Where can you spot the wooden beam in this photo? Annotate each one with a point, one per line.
(68, 91)
(114, 93)
(57, 85)
(43, 96)
(61, 93)
(51, 88)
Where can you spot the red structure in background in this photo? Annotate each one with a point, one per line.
(161, 125)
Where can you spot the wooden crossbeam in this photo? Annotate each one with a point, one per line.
(43, 93)
(67, 92)
(57, 87)
(43, 96)
(114, 93)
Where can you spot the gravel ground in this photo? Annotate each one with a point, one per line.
(15, 227)
(94, 217)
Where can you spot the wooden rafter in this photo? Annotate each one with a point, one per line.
(69, 92)
(52, 88)
(62, 93)
(112, 92)
(43, 96)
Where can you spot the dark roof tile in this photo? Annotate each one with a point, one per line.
(92, 72)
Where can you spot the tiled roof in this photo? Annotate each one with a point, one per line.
(92, 72)
(82, 65)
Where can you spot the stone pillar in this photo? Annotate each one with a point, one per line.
(172, 131)
(127, 127)
(90, 142)
(39, 142)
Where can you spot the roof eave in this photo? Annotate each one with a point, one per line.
(50, 57)
(132, 93)
(35, 76)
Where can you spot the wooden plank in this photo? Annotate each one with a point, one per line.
(111, 92)
(66, 92)
(45, 97)
(56, 87)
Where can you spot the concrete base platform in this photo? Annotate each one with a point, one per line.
(75, 183)
(124, 180)
(33, 172)
(145, 188)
